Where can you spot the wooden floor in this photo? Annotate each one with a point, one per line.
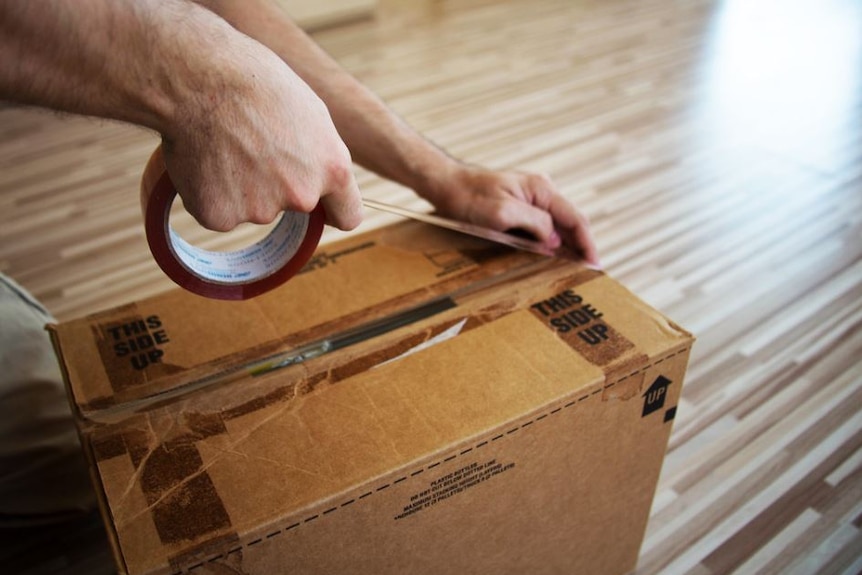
(717, 149)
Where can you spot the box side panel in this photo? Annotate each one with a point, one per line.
(565, 489)
(204, 475)
(95, 477)
(174, 483)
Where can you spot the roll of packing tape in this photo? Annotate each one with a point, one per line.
(234, 275)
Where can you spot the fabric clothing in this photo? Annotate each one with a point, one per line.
(43, 471)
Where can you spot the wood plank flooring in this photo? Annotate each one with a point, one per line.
(716, 147)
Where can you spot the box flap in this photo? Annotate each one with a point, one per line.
(145, 348)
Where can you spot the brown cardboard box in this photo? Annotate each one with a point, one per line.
(523, 434)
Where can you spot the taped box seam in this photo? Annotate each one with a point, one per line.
(429, 467)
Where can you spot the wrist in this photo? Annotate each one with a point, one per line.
(191, 73)
(436, 177)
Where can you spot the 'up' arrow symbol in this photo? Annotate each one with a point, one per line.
(654, 397)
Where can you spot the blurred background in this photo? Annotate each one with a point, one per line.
(715, 146)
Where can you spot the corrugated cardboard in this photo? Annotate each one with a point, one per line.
(514, 421)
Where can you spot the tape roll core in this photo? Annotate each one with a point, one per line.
(233, 275)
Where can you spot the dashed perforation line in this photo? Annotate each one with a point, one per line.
(431, 466)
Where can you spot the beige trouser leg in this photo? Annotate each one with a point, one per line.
(43, 474)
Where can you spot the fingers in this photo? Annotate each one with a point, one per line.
(538, 223)
(574, 228)
(265, 146)
(220, 202)
(343, 202)
(327, 178)
(535, 206)
(540, 192)
(583, 239)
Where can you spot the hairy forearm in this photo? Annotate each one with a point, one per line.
(377, 138)
(245, 103)
(243, 137)
(117, 59)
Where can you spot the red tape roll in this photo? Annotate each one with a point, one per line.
(235, 275)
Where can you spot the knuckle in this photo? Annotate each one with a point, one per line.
(263, 214)
(216, 221)
(508, 214)
(339, 175)
(541, 179)
(210, 217)
(542, 187)
(295, 196)
(303, 202)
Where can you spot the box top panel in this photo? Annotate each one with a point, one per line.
(145, 348)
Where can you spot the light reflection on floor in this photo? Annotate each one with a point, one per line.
(785, 77)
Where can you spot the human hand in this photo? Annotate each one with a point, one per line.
(512, 200)
(254, 140)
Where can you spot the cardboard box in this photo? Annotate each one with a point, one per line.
(461, 408)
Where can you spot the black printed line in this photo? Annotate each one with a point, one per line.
(483, 444)
(415, 473)
(570, 404)
(364, 495)
(399, 480)
(328, 511)
(234, 550)
(433, 465)
(193, 567)
(466, 451)
(449, 458)
(529, 423)
(346, 503)
(294, 526)
(312, 518)
(382, 487)
(255, 542)
(271, 535)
